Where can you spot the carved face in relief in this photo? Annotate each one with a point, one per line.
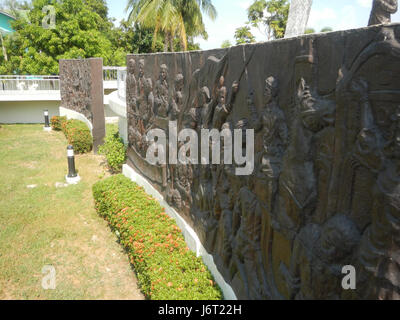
(164, 73)
(132, 65)
(179, 83)
(222, 91)
(339, 236)
(270, 90)
(176, 199)
(141, 68)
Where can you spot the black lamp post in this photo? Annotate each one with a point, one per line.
(71, 163)
(46, 119)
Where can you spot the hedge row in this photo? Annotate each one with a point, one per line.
(76, 132)
(165, 267)
(114, 150)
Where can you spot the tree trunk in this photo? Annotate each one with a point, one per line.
(171, 43)
(166, 43)
(4, 49)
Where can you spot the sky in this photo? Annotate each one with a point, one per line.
(232, 14)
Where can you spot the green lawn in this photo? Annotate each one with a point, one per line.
(54, 226)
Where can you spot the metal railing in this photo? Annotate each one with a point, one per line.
(111, 73)
(32, 84)
(121, 78)
(29, 84)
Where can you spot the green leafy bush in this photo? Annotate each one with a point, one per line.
(165, 267)
(78, 135)
(114, 150)
(56, 122)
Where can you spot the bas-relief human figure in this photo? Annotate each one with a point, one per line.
(131, 97)
(298, 183)
(381, 11)
(272, 125)
(246, 242)
(146, 106)
(141, 79)
(223, 109)
(319, 254)
(177, 101)
(378, 253)
(162, 93)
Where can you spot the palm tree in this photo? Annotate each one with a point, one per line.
(172, 18)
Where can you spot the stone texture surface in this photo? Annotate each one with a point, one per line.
(81, 86)
(325, 192)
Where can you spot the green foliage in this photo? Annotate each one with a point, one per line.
(270, 16)
(57, 122)
(326, 29)
(311, 30)
(243, 35)
(165, 267)
(78, 135)
(226, 44)
(82, 30)
(133, 39)
(114, 150)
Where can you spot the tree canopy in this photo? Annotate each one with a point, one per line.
(82, 30)
(243, 35)
(270, 17)
(173, 19)
(226, 44)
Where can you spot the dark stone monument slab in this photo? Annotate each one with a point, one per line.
(325, 191)
(81, 85)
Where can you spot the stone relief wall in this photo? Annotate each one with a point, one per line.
(81, 86)
(325, 191)
(76, 86)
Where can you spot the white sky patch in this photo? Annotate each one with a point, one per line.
(365, 3)
(244, 4)
(348, 19)
(321, 18)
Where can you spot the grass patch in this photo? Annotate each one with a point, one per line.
(54, 226)
(165, 267)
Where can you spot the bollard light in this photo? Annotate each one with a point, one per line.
(46, 119)
(71, 162)
(72, 177)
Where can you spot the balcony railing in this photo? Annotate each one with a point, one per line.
(29, 84)
(111, 73)
(114, 78)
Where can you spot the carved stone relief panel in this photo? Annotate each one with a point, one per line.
(324, 189)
